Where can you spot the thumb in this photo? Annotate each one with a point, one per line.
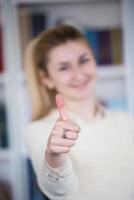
(61, 107)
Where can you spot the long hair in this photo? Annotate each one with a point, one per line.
(36, 59)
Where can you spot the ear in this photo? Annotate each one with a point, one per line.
(45, 80)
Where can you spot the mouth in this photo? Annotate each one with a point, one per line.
(82, 85)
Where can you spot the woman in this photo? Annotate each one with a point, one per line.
(78, 148)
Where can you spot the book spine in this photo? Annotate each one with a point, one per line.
(38, 23)
(3, 127)
(25, 29)
(116, 46)
(92, 38)
(105, 47)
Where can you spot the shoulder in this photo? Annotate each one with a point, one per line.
(119, 113)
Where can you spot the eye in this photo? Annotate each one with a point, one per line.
(63, 68)
(84, 60)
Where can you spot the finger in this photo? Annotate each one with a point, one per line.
(61, 107)
(72, 135)
(59, 149)
(62, 142)
(69, 125)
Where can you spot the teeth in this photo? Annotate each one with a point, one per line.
(79, 85)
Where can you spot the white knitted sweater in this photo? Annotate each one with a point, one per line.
(100, 166)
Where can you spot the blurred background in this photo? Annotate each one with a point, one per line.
(109, 28)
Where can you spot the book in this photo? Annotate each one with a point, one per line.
(106, 44)
(3, 127)
(38, 23)
(104, 47)
(24, 29)
(116, 46)
(5, 191)
(6, 186)
(92, 37)
(34, 191)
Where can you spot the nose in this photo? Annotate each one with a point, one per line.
(78, 73)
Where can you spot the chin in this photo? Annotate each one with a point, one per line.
(80, 96)
(84, 93)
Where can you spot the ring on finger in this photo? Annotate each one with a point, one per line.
(64, 133)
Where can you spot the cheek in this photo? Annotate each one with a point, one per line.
(91, 69)
(65, 80)
(61, 80)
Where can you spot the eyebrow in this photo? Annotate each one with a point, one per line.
(79, 58)
(83, 55)
(63, 63)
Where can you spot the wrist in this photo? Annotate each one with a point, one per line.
(55, 160)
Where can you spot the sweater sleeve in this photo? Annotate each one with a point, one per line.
(56, 183)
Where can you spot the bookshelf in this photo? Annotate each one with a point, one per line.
(119, 78)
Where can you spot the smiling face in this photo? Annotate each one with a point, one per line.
(71, 70)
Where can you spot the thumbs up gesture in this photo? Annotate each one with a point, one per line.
(62, 137)
(61, 107)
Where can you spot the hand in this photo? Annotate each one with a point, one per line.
(58, 146)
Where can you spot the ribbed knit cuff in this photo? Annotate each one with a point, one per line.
(59, 172)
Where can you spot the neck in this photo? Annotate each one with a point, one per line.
(85, 108)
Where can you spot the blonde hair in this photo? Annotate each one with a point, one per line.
(36, 59)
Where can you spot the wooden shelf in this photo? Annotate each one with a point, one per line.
(5, 154)
(112, 72)
(49, 1)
